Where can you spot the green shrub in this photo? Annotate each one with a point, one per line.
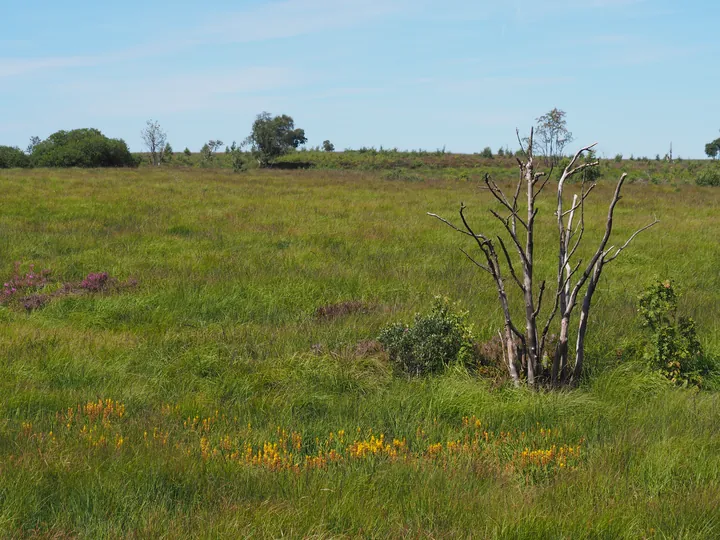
(82, 148)
(674, 348)
(432, 342)
(709, 176)
(12, 157)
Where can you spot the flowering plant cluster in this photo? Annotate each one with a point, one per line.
(95, 282)
(533, 455)
(28, 287)
(22, 283)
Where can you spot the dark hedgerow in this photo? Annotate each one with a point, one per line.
(82, 148)
(432, 342)
(12, 157)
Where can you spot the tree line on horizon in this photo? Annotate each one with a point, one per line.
(271, 137)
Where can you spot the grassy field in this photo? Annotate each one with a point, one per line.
(208, 398)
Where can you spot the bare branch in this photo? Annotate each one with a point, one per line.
(584, 196)
(581, 167)
(540, 299)
(578, 154)
(510, 264)
(522, 148)
(603, 243)
(542, 186)
(481, 266)
(513, 236)
(626, 244)
(477, 237)
(500, 196)
(446, 222)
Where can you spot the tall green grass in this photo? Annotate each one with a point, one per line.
(231, 269)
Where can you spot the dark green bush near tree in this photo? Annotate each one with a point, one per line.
(238, 158)
(12, 157)
(82, 148)
(432, 342)
(709, 176)
(674, 348)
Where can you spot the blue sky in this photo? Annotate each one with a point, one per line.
(633, 75)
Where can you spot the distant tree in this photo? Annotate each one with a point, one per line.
(12, 157)
(238, 158)
(551, 136)
(272, 137)
(187, 152)
(501, 152)
(207, 152)
(155, 139)
(167, 153)
(486, 153)
(328, 146)
(712, 149)
(34, 141)
(82, 148)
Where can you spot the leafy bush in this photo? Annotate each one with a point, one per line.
(709, 176)
(272, 137)
(486, 153)
(434, 340)
(82, 148)
(12, 157)
(674, 347)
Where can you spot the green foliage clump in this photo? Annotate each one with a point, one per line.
(709, 176)
(82, 148)
(238, 158)
(432, 342)
(486, 153)
(674, 347)
(272, 137)
(12, 157)
(712, 149)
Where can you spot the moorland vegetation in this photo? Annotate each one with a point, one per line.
(191, 351)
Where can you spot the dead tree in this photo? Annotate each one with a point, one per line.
(154, 139)
(526, 346)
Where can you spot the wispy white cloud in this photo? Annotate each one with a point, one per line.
(502, 81)
(20, 66)
(274, 20)
(290, 18)
(191, 92)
